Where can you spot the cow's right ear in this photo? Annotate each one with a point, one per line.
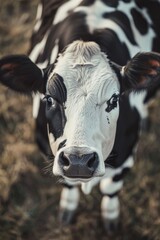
(19, 73)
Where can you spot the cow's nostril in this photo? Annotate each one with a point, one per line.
(89, 164)
(64, 160)
(92, 161)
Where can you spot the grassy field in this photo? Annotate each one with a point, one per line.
(29, 194)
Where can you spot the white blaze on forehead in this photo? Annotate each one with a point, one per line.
(82, 52)
(84, 63)
(79, 53)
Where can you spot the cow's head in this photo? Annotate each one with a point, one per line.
(81, 92)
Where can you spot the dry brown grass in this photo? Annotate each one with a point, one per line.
(29, 198)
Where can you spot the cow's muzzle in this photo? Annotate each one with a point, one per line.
(78, 166)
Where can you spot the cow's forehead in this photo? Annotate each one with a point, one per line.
(85, 68)
(79, 54)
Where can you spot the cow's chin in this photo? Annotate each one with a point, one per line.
(75, 181)
(86, 184)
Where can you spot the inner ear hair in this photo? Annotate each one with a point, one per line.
(142, 71)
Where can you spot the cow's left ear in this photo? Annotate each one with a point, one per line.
(19, 73)
(141, 72)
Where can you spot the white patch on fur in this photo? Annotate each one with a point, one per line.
(38, 17)
(63, 11)
(39, 47)
(69, 198)
(110, 207)
(94, 18)
(89, 86)
(107, 186)
(143, 41)
(111, 172)
(54, 53)
(38, 96)
(137, 100)
(51, 137)
(96, 21)
(86, 187)
(42, 65)
(122, 71)
(36, 104)
(94, 14)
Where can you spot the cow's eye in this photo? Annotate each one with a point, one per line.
(114, 99)
(51, 102)
(112, 102)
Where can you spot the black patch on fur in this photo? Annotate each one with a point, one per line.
(127, 133)
(120, 176)
(87, 2)
(56, 119)
(55, 112)
(111, 158)
(122, 20)
(153, 9)
(62, 144)
(111, 3)
(67, 185)
(117, 69)
(139, 21)
(156, 44)
(49, 9)
(48, 70)
(41, 134)
(110, 195)
(57, 88)
(111, 45)
(112, 103)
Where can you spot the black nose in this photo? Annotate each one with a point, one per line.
(78, 166)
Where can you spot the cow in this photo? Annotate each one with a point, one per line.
(92, 68)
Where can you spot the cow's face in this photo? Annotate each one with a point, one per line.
(81, 95)
(82, 108)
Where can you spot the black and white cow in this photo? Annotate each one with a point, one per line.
(87, 117)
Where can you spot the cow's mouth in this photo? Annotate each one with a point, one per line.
(76, 180)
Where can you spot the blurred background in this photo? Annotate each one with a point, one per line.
(29, 194)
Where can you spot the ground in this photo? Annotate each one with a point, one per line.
(29, 194)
